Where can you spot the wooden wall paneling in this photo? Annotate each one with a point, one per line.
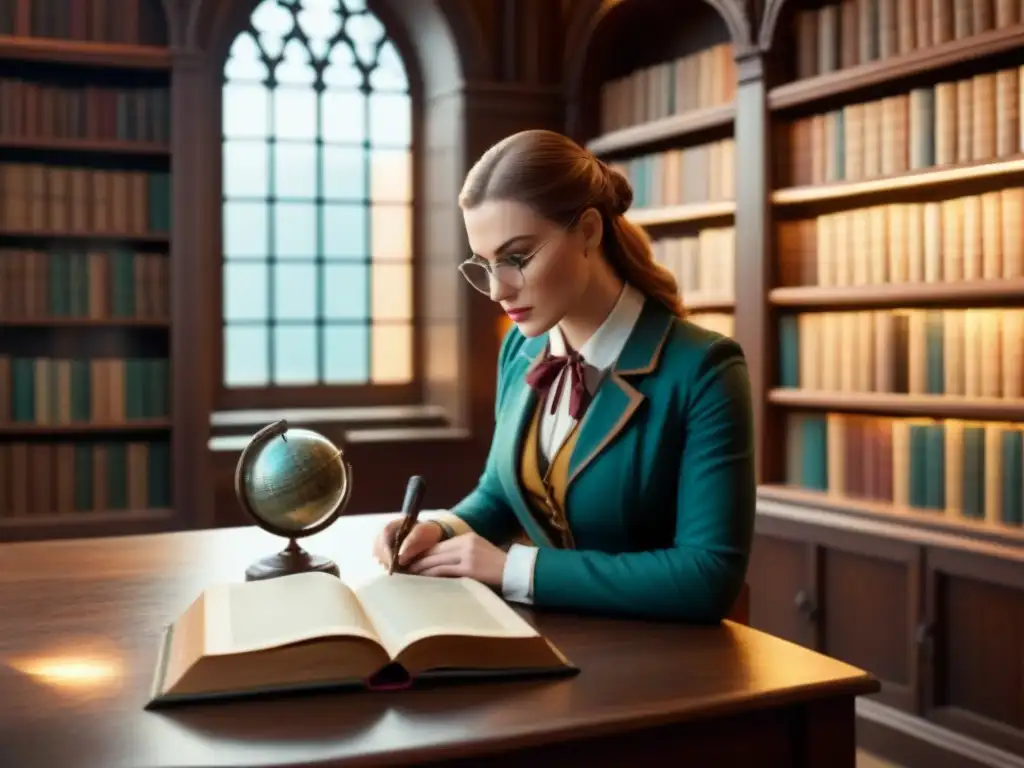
(196, 326)
(974, 642)
(754, 252)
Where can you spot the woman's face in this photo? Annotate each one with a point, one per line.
(503, 234)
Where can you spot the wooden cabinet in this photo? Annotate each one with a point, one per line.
(974, 645)
(937, 618)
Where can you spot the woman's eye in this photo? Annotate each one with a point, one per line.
(515, 260)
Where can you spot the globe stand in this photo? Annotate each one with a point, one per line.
(292, 559)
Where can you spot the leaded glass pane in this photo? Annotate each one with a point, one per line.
(317, 184)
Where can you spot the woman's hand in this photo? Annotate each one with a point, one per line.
(466, 555)
(420, 539)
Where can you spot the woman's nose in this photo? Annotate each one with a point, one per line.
(500, 291)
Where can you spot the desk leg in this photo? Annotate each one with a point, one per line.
(826, 734)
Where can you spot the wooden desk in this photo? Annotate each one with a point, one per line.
(79, 622)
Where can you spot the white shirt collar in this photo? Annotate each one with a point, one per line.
(603, 348)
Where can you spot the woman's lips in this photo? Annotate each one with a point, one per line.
(518, 314)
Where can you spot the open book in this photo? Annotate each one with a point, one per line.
(311, 630)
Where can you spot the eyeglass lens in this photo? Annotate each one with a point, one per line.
(479, 276)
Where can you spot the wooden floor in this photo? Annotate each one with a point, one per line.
(868, 760)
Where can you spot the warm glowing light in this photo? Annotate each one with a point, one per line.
(69, 671)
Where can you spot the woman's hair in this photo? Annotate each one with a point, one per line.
(559, 179)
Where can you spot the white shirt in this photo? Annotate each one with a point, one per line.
(599, 353)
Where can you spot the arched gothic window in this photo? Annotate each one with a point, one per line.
(317, 200)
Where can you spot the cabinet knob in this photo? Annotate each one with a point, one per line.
(805, 605)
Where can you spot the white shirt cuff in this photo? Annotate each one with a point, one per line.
(517, 578)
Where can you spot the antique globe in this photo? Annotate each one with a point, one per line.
(293, 482)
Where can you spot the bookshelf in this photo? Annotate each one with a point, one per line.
(85, 232)
(887, 345)
(663, 115)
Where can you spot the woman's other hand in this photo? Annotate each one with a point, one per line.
(420, 539)
(467, 555)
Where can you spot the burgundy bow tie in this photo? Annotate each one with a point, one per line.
(557, 369)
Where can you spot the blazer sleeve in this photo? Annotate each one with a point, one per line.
(486, 510)
(699, 577)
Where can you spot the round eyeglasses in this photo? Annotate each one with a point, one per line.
(507, 271)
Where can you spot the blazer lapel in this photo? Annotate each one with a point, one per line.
(515, 424)
(617, 399)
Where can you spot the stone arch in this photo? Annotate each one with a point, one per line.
(772, 12)
(441, 46)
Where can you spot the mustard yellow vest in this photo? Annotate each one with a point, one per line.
(545, 492)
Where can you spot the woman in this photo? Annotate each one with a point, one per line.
(623, 447)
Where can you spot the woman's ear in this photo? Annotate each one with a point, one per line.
(591, 226)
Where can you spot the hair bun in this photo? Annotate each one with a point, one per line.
(621, 192)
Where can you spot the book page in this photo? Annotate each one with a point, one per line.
(255, 615)
(407, 608)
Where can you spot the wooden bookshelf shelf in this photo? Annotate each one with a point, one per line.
(43, 234)
(84, 428)
(113, 522)
(894, 404)
(891, 295)
(83, 322)
(84, 146)
(932, 520)
(708, 304)
(932, 59)
(679, 214)
(75, 52)
(931, 177)
(674, 128)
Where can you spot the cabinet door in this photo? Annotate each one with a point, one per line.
(870, 609)
(974, 661)
(781, 581)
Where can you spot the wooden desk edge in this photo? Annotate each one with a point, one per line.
(614, 724)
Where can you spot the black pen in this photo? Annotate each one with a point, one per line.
(410, 513)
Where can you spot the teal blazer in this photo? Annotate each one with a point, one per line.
(661, 490)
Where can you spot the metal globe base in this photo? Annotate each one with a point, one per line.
(292, 559)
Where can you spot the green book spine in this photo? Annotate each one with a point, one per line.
(789, 352)
(117, 476)
(132, 395)
(934, 331)
(794, 449)
(23, 390)
(935, 467)
(814, 440)
(974, 472)
(918, 465)
(1013, 476)
(81, 391)
(840, 124)
(160, 475)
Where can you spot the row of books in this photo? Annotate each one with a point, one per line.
(703, 265)
(963, 469)
(697, 174)
(52, 198)
(95, 284)
(977, 237)
(719, 322)
(60, 392)
(959, 352)
(852, 32)
(60, 478)
(137, 22)
(698, 80)
(970, 120)
(43, 110)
